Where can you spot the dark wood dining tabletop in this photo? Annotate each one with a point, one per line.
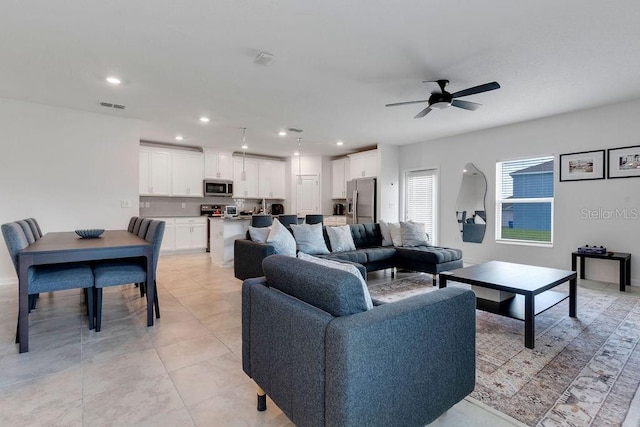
(65, 247)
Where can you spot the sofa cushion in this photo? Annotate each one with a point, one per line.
(337, 292)
(282, 241)
(366, 235)
(430, 254)
(413, 234)
(359, 256)
(309, 238)
(259, 234)
(349, 268)
(396, 234)
(379, 254)
(340, 239)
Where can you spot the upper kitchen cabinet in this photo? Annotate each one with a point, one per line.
(363, 165)
(271, 175)
(218, 164)
(248, 187)
(155, 172)
(187, 174)
(340, 168)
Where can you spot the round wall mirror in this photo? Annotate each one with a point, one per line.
(470, 209)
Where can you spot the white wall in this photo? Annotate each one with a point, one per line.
(601, 128)
(66, 168)
(388, 183)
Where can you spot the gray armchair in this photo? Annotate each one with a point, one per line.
(310, 344)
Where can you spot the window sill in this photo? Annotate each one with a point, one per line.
(525, 243)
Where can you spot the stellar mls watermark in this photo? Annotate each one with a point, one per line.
(618, 213)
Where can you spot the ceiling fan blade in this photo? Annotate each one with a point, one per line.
(465, 104)
(405, 103)
(439, 84)
(423, 113)
(476, 89)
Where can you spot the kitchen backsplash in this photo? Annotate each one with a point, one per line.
(189, 206)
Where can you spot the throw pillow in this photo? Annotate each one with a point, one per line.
(344, 267)
(341, 239)
(281, 239)
(259, 234)
(309, 238)
(396, 236)
(413, 234)
(386, 234)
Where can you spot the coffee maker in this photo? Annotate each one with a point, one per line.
(338, 209)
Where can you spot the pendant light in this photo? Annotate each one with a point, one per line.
(299, 161)
(243, 175)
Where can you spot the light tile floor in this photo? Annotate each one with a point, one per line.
(186, 370)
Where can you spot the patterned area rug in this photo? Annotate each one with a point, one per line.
(582, 372)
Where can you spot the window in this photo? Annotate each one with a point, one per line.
(524, 201)
(420, 200)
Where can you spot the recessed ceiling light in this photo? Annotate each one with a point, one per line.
(339, 143)
(113, 80)
(245, 146)
(297, 153)
(204, 119)
(282, 133)
(179, 137)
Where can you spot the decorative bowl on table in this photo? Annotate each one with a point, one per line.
(90, 233)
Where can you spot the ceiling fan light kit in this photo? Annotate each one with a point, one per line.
(441, 99)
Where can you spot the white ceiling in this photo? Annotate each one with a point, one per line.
(337, 63)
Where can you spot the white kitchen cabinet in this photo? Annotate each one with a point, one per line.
(339, 182)
(155, 172)
(224, 232)
(363, 165)
(190, 233)
(247, 188)
(271, 179)
(169, 236)
(187, 174)
(218, 164)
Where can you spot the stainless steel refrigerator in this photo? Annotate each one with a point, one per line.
(361, 201)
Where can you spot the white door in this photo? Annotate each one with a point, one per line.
(308, 195)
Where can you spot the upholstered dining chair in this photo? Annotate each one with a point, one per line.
(113, 273)
(314, 219)
(35, 228)
(261, 221)
(287, 220)
(144, 226)
(26, 228)
(49, 278)
(136, 226)
(132, 223)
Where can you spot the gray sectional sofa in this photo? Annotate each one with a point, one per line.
(326, 360)
(369, 255)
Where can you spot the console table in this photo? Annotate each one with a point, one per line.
(623, 258)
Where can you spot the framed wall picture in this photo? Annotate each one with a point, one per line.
(623, 162)
(582, 166)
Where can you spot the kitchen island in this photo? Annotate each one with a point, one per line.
(223, 232)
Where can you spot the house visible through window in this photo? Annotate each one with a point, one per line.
(524, 201)
(420, 200)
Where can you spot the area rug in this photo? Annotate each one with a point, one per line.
(583, 371)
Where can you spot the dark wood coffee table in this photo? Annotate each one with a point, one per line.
(531, 285)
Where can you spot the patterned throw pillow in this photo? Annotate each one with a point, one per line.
(341, 239)
(259, 234)
(281, 239)
(413, 234)
(344, 267)
(309, 238)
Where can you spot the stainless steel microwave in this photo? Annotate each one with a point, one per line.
(218, 187)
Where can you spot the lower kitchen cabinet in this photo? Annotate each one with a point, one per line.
(224, 232)
(191, 233)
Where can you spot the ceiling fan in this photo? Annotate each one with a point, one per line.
(440, 99)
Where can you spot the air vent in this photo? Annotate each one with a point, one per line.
(295, 130)
(111, 105)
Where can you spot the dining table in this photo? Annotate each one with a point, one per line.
(69, 247)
